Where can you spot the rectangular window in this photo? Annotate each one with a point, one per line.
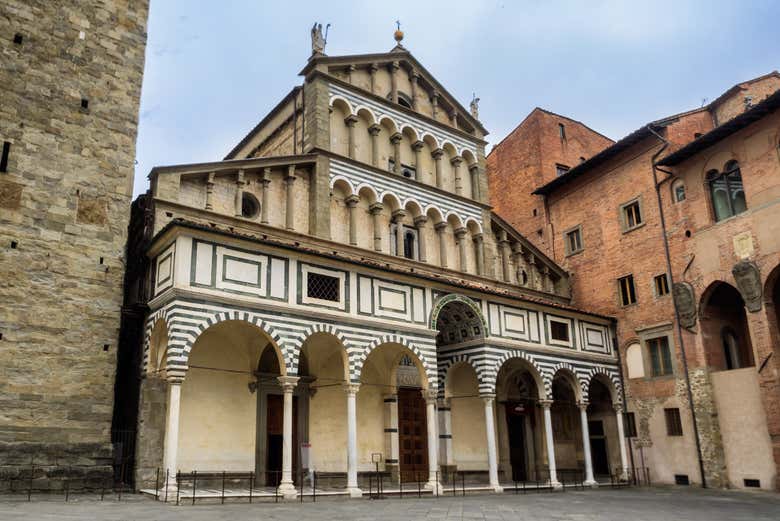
(559, 331)
(660, 356)
(322, 287)
(561, 131)
(627, 291)
(4, 157)
(673, 423)
(573, 241)
(661, 283)
(632, 215)
(561, 169)
(629, 425)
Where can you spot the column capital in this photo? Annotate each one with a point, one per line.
(290, 174)
(418, 145)
(374, 129)
(435, 96)
(396, 138)
(478, 237)
(460, 232)
(351, 387)
(414, 75)
(175, 380)
(456, 161)
(394, 65)
(474, 168)
(351, 120)
(420, 220)
(265, 177)
(352, 200)
(440, 226)
(288, 383)
(546, 404)
(375, 208)
(502, 237)
(210, 178)
(517, 248)
(618, 408)
(240, 177)
(582, 405)
(437, 153)
(430, 395)
(444, 404)
(398, 215)
(373, 67)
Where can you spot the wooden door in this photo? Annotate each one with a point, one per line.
(412, 435)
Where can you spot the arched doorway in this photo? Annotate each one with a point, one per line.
(602, 428)
(724, 328)
(521, 444)
(567, 433)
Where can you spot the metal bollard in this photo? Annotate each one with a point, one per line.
(194, 484)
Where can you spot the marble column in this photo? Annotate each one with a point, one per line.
(520, 266)
(393, 69)
(456, 162)
(549, 441)
(240, 182)
(374, 131)
(437, 155)
(434, 104)
(265, 181)
(372, 75)
(171, 446)
(445, 435)
(621, 441)
(289, 211)
(490, 431)
(350, 121)
(414, 76)
(474, 174)
(352, 458)
(398, 219)
(549, 285)
(396, 139)
(479, 250)
(352, 202)
(433, 442)
(440, 228)
(589, 481)
(454, 119)
(210, 191)
(420, 223)
(418, 146)
(391, 435)
(286, 486)
(503, 245)
(376, 212)
(533, 274)
(460, 237)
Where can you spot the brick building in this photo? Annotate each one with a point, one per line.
(70, 83)
(604, 225)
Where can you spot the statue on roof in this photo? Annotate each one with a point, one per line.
(318, 41)
(474, 106)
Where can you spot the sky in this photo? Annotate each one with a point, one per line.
(214, 69)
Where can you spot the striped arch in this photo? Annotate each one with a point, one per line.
(322, 327)
(611, 377)
(579, 381)
(358, 358)
(177, 362)
(151, 322)
(446, 364)
(546, 389)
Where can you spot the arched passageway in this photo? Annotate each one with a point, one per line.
(724, 328)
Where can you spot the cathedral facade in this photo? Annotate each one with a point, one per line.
(336, 296)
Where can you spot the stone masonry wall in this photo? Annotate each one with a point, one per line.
(70, 82)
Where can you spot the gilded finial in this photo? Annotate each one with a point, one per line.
(399, 34)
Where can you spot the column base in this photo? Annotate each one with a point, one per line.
(556, 485)
(167, 493)
(354, 492)
(498, 489)
(435, 487)
(287, 491)
(591, 483)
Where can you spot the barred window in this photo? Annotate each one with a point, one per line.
(673, 422)
(322, 287)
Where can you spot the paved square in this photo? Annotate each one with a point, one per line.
(652, 504)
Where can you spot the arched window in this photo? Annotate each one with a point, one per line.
(731, 348)
(409, 244)
(403, 99)
(678, 191)
(726, 191)
(250, 207)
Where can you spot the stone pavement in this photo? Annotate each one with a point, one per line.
(648, 504)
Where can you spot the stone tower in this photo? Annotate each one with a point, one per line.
(70, 83)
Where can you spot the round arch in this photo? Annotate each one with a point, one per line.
(441, 302)
(529, 364)
(568, 374)
(427, 372)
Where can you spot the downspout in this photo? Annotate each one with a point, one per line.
(676, 311)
